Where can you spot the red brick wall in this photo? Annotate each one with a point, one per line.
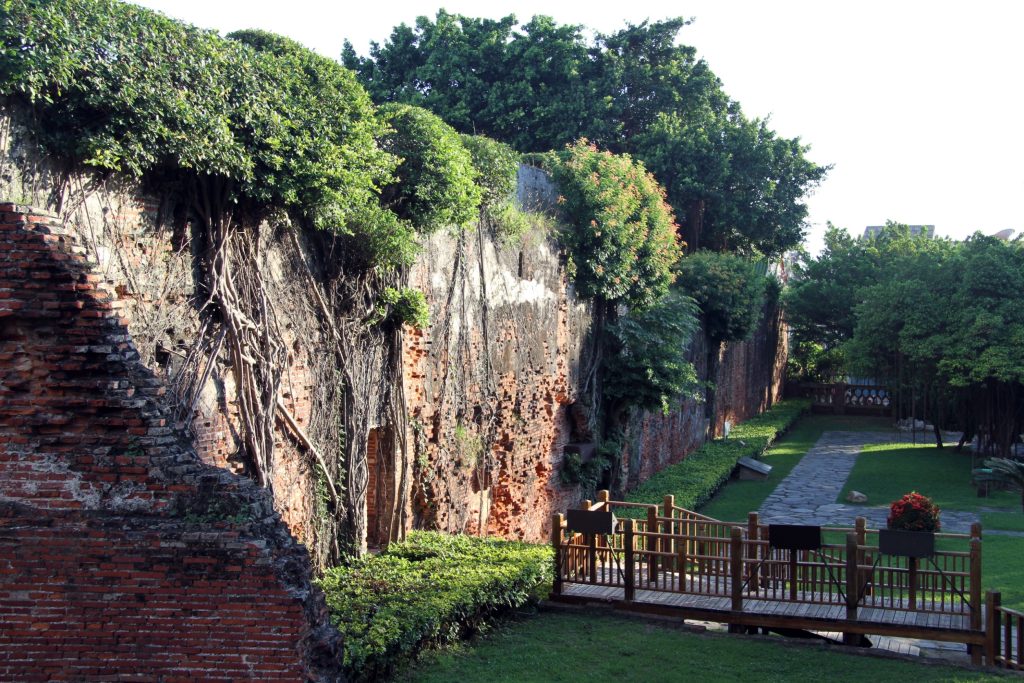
(121, 553)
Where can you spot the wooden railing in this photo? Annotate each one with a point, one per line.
(1003, 644)
(676, 550)
(840, 398)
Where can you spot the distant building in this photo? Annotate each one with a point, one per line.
(915, 230)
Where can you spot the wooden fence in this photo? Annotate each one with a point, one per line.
(1003, 645)
(670, 550)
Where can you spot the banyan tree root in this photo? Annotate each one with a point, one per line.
(238, 298)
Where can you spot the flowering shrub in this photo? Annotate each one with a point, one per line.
(914, 512)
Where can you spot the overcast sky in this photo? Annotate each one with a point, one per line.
(919, 106)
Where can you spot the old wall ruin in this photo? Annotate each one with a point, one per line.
(488, 391)
(121, 553)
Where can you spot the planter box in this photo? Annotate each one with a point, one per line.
(906, 543)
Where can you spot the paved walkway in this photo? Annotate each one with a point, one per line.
(808, 494)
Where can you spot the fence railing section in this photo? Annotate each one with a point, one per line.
(676, 550)
(866, 399)
(1003, 645)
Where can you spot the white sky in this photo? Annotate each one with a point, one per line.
(919, 105)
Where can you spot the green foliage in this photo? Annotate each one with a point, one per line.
(729, 290)
(1008, 472)
(886, 471)
(540, 86)
(496, 166)
(435, 184)
(622, 239)
(402, 307)
(648, 365)
(433, 588)
(810, 361)
(696, 479)
(566, 646)
(118, 87)
(931, 317)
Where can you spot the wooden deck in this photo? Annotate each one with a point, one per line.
(855, 582)
(779, 614)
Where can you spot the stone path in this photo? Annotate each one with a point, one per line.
(808, 493)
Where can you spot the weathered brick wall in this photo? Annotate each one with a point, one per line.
(121, 553)
(491, 387)
(491, 384)
(749, 379)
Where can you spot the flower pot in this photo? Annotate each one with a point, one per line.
(906, 543)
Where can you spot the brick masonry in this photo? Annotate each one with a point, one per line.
(122, 555)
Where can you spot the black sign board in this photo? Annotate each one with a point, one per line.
(794, 536)
(906, 543)
(591, 521)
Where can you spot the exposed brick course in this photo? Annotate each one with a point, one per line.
(123, 556)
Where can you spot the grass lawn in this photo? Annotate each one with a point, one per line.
(738, 498)
(1001, 568)
(886, 471)
(571, 647)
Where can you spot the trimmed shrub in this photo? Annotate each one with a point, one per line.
(695, 480)
(433, 588)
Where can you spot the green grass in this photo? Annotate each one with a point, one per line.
(1010, 521)
(554, 647)
(1002, 569)
(733, 502)
(887, 471)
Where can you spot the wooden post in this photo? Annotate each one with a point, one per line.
(851, 586)
(603, 496)
(668, 506)
(681, 565)
(861, 529)
(557, 520)
(794, 569)
(975, 587)
(993, 599)
(753, 529)
(627, 544)
(591, 549)
(736, 573)
(912, 580)
(652, 545)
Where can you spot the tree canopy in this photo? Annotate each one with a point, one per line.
(621, 238)
(118, 87)
(940, 321)
(734, 183)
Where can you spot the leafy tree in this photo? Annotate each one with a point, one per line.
(648, 365)
(941, 322)
(435, 184)
(729, 290)
(735, 184)
(496, 167)
(621, 238)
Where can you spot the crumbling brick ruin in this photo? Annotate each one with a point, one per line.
(121, 553)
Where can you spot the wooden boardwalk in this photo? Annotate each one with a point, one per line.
(855, 582)
(779, 614)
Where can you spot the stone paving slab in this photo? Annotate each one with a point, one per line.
(808, 493)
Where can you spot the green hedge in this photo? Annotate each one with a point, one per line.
(430, 589)
(695, 480)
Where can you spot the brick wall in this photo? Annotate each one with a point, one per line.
(121, 554)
